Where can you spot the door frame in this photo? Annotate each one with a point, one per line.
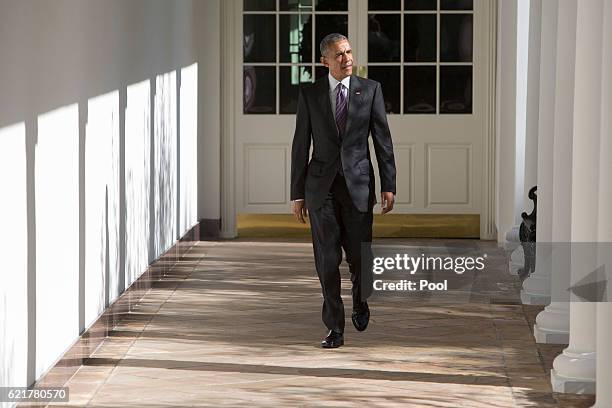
(231, 47)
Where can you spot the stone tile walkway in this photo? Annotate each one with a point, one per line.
(238, 324)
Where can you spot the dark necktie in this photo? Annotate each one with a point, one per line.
(341, 110)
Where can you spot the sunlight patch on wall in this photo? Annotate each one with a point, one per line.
(57, 234)
(188, 148)
(101, 204)
(13, 251)
(137, 179)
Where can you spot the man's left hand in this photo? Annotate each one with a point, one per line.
(387, 199)
(299, 210)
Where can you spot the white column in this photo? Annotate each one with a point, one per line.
(532, 97)
(525, 120)
(604, 309)
(536, 288)
(574, 370)
(603, 398)
(552, 324)
(522, 86)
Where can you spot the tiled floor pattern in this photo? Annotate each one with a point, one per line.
(237, 324)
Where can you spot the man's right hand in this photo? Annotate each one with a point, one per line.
(299, 210)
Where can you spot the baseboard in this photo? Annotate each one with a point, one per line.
(387, 226)
(209, 229)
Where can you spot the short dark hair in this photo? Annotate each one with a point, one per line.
(330, 39)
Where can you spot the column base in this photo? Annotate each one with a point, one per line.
(567, 385)
(549, 336)
(209, 229)
(517, 260)
(573, 372)
(512, 238)
(534, 299)
(536, 290)
(552, 324)
(511, 245)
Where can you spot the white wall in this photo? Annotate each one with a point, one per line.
(99, 157)
(209, 46)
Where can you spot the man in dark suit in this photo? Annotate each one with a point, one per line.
(336, 114)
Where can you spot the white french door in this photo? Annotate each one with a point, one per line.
(434, 59)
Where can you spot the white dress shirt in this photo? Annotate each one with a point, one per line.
(333, 83)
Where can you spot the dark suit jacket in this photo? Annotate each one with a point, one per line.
(315, 122)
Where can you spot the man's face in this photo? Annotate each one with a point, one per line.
(339, 59)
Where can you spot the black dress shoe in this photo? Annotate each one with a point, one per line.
(361, 318)
(333, 340)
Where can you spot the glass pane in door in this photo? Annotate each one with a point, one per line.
(420, 37)
(420, 5)
(290, 80)
(295, 38)
(456, 38)
(331, 5)
(259, 35)
(456, 4)
(259, 5)
(455, 89)
(384, 4)
(389, 78)
(295, 5)
(320, 71)
(327, 24)
(420, 89)
(259, 89)
(384, 37)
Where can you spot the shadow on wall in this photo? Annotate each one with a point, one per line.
(98, 146)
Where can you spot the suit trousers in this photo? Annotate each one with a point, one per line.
(338, 225)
